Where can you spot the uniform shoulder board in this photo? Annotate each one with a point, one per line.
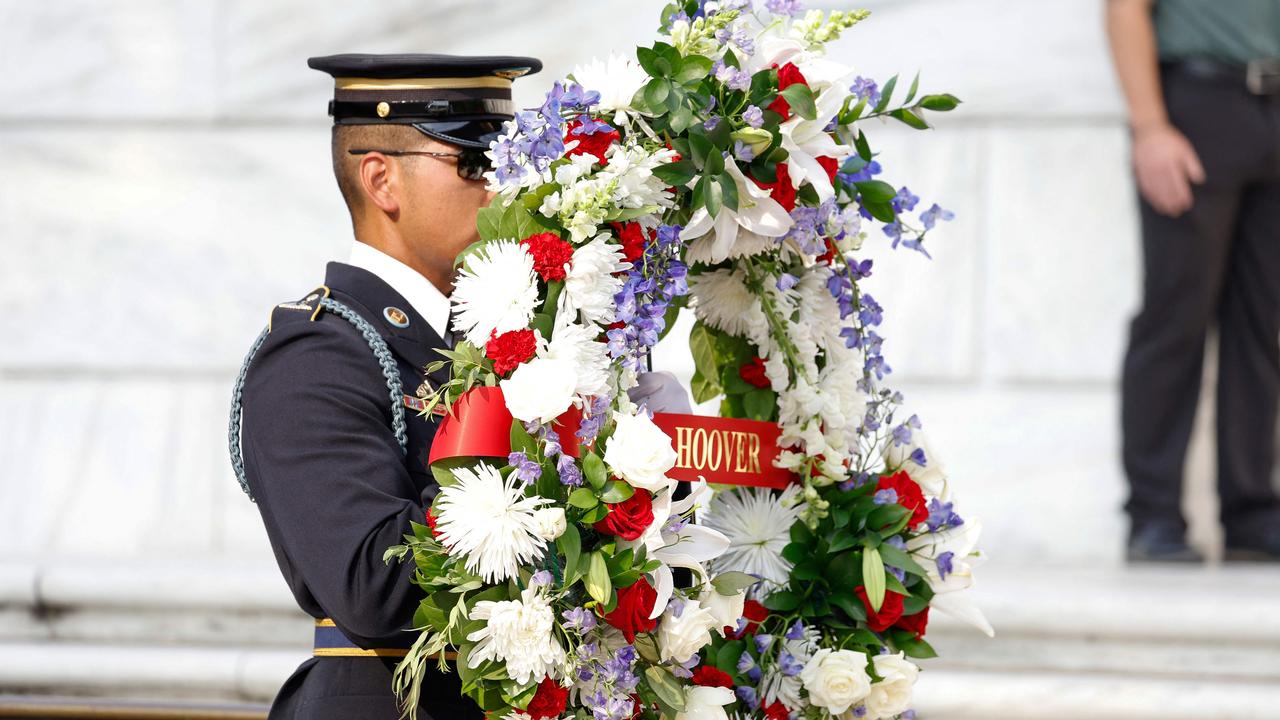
(305, 310)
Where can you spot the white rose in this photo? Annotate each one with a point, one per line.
(682, 634)
(932, 476)
(639, 452)
(726, 609)
(705, 703)
(892, 694)
(836, 680)
(550, 523)
(540, 390)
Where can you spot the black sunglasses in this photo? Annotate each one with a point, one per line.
(472, 162)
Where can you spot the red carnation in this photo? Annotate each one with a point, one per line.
(788, 75)
(781, 189)
(633, 240)
(708, 676)
(916, 623)
(510, 349)
(755, 613)
(635, 604)
(550, 255)
(890, 609)
(753, 372)
(629, 518)
(431, 523)
(831, 165)
(776, 711)
(548, 701)
(909, 495)
(595, 143)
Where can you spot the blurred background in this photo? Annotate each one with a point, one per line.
(165, 181)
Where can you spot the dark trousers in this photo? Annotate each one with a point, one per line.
(1218, 265)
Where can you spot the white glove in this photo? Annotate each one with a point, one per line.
(660, 392)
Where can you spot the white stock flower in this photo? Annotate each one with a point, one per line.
(836, 679)
(577, 345)
(956, 549)
(757, 212)
(726, 609)
(634, 186)
(550, 522)
(591, 283)
(892, 694)
(722, 299)
(616, 79)
(705, 703)
(682, 634)
(540, 389)
(931, 476)
(640, 452)
(758, 526)
(489, 522)
(520, 633)
(496, 291)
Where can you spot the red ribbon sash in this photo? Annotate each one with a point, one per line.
(728, 451)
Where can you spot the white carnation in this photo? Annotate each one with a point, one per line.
(496, 291)
(520, 633)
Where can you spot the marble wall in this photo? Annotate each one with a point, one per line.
(165, 182)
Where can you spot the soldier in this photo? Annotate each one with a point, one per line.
(333, 452)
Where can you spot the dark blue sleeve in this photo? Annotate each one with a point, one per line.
(329, 476)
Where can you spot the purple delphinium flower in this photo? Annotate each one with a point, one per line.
(526, 470)
(866, 89)
(796, 631)
(935, 213)
(763, 642)
(786, 281)
(747, 695)
(944, 561)
(941, 516)
(743, 152)
(918, 457)
(789, 665)
(710, 123)
(542, 577)
(753, 116)
(784, 7)
(904, 201)
(888, 496)
(648, 289)
(580, 619)
(860, 711)
(570, 475)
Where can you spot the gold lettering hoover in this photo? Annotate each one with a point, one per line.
(705, 450)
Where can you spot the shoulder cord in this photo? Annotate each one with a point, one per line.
(380, 351)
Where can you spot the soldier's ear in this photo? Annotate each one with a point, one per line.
(380, 180)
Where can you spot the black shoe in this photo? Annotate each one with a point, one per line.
(1265, 548)
(1160, 543)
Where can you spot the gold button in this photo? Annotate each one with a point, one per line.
(384, 109)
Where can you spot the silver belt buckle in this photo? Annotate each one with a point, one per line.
(1262, 76)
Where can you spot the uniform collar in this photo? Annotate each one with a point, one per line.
(421, 295)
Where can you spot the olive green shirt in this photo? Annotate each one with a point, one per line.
(1230, 30)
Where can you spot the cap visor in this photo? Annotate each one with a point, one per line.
(464, 133)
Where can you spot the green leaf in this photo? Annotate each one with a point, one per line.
(911, 92)
(873, 577)
(907, 643)
(864, 149)
(782, 601)
(647, 646)
(594, 471)
(800, 97)
(886, 94)
(845, 540)
(728, 190)
(647, 59)
(677, 174)
(900, 559)
(597, 582)
(702, 148)
(570, 545)
(939, 103)
(702, 347)
(655, 92)
(877, 196)
(909, 118)
(521, 440)
(843, 572)
(760, 403)
(442, 470)
(732, 582)
(728, 654)
(487, 221)
(714, 166)
(616, 492)
(584, 498)
(693, 67)
(664, 685)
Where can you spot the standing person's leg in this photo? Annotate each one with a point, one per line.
(1249, 375)
(1184, 263)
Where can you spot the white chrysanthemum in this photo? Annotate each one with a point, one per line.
(577, 344)
(519, 633)
(489, 522)
(758, 526)
(495, 292)
(590, 284)
(723, 301)
(616, 79)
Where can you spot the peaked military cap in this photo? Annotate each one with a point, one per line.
(461, 100)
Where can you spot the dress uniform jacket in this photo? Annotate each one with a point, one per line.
(336, 490)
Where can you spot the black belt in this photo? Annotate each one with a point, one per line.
(1259, 77)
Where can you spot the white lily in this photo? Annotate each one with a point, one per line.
(757, 212)
(962, 543)
(687, 547)
(806, 140)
